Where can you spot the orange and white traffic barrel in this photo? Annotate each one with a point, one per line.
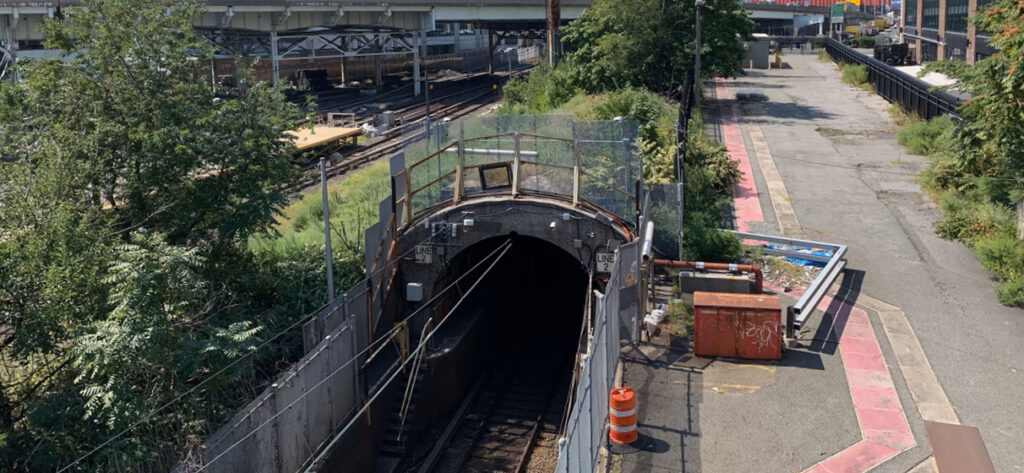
(622, 416)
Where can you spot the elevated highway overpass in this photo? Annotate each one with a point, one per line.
(293, 30)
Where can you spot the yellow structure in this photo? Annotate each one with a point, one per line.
(320, 135)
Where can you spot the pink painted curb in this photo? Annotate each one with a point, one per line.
(746, 202)
(880, 416)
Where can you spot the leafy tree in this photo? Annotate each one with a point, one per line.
(989, 138)
(148, 138)
(128, 186)
(651, 43)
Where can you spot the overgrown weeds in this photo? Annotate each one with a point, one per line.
(855, 74)
(927, 138)
(973, 207)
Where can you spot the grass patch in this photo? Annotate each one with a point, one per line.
(855, 74)
(679, 315)
(353, 203)
(927, 138)
(901, 117)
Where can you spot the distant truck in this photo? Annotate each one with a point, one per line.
(894, 54)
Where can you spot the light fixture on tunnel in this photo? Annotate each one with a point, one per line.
(467, 222)
(553, 225)
(414, 292)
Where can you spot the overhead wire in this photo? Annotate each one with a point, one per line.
(410, 357)
(383, 338)
(177, 398)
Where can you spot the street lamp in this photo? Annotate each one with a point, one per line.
(696, 68)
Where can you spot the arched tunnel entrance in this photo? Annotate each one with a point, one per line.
(499, 370)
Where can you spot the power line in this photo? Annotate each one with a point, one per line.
(177, 398)
(412, 354)
(383, 338)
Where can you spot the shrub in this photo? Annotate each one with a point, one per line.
(927, 138)
(1002, 254)
(545, 89)
(861, 42)
(1011, 292)
(969, 221)
(855, 74)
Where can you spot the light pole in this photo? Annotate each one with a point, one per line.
(696, 64)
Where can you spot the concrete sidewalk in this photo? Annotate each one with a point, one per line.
(849, 180)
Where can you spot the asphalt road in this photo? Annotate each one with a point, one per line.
(849, 181)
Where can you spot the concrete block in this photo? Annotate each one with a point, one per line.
(693, 281)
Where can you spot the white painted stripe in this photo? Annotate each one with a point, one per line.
(623, 429)
(618, 413)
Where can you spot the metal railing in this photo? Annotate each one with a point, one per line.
(912, 94)
(835, 263)
(580, 168)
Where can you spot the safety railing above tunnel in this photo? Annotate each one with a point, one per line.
(592, 164)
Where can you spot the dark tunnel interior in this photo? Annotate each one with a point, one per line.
(517, 335)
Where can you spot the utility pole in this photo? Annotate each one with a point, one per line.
(327, 232)
(554, 21)
(696, 63)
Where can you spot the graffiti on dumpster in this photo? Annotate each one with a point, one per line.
(761, 333)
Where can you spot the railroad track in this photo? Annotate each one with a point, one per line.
(465, 103)
(512, 424)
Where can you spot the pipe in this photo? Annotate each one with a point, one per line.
(648, 237)
(731, 267)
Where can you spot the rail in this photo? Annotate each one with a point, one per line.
(911, 93)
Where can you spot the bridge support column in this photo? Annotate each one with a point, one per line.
(490, 52)
(274, 58)
(415, 65)
(377, 62)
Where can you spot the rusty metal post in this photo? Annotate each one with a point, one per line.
(490, 52)
(461, 147)
(554, 21)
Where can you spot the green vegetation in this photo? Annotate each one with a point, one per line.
(710, 174)
(650, 43)
(855, 74)
(128, 190)
(862, 42)
(679, 315)
(977, 166)
(603, 77)
(927, 138)
(353, 204)
(975, 210)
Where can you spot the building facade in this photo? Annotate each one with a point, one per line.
(940, 29)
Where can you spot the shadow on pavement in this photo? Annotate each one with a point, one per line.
(761, 112)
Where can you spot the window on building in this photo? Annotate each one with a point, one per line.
(930, 14)
(956, 16)
(911, 7)
(981, 6)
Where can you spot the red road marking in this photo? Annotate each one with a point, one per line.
(884, 428)
(746, 203)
